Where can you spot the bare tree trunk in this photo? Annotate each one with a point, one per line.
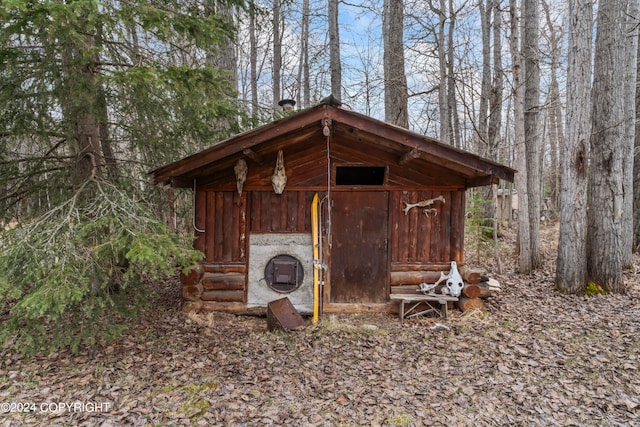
(89, 151)
(485, 86)
(497, 86)
(452, 104)
(531, 125)
(443, 106)
(304, 97)
(79, 112)
(104, 135)
(494, 226)
(524, 231)
(554, 105)
(277, 52)
(225, 58)
(334, 50)
(495, 119)
(306, 102)
(571, 266)
(102, 115)
(395, 81)
(631, 43)
(605, 240)
(636, 165)
(253, 62)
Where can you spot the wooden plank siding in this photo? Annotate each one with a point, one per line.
(222, 216)
(280, 213)
(419, 239)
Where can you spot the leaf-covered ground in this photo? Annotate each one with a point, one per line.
(533, 358)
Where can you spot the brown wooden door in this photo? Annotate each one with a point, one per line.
(359, 260)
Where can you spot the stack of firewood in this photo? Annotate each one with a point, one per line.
(476, 288)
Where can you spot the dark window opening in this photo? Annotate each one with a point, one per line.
(284, 273)
(360, 175)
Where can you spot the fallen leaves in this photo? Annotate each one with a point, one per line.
(533, 358)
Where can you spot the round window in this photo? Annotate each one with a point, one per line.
(284, 273)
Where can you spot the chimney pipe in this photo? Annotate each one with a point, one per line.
(287, 104)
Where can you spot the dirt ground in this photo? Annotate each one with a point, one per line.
(534, 357)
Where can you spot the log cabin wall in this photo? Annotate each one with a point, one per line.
(221, 232)
(423, 245)
(223, 220)
(419, 246)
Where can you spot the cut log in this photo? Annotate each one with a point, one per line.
(485, 290)
(414, 277)
(192, 277)
(493, 283)
(466, 304)
(192, 307)
(223, 296)
(471, 290)
(421, 266)
(470, 276)
(192, 292)
(223, 281)
(224, 268)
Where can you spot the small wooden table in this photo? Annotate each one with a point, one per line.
(418, 299)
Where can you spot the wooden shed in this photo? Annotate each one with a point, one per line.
(254, 225)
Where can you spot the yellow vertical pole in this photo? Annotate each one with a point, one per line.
(316, 259)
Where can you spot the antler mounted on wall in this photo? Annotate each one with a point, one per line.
(424, 204)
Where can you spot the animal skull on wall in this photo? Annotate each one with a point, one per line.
(279, 178)
(241, 174)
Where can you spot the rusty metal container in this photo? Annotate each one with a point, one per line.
(282, 315)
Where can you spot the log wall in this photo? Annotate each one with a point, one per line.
(419, 246)
(215, 282)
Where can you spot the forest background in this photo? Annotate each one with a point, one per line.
(95, 94)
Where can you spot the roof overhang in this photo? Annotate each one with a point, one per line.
(307, 125)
